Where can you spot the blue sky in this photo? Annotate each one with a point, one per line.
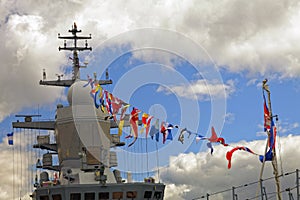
(192, 63)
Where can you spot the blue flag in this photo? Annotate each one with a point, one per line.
(169, 128)
(10, 138)
(154, 129)
(157, 137)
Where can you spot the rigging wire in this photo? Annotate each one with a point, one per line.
(157, 162)
(27, 162)
(127, 154)
(147, 157)
(143, 159)
(39, 128)
(279, 145)
(135, 161)
(13, 169)
(21, 163)
(37, 158)
(31, 161)
(26, 150)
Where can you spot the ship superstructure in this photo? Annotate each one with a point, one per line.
(82, 144)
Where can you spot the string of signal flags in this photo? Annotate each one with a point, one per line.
(113, 106)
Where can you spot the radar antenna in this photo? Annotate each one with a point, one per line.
(76, 66)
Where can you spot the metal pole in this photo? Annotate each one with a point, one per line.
(262, 170)
(265, 193)
(290, 194)
(275, 167)
(261, 189)
(234, 196)
(233, 193)
(297, 182)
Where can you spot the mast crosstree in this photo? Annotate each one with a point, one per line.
(75, 48)
(76, 65)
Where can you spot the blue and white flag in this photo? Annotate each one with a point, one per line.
(10, 137)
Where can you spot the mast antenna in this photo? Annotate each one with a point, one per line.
(75, 48)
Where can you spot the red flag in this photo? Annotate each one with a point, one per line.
(144, 118)
(108, 102)
(121, 124)
(164, 131)
(116, 105)
(229, 153)
(214, 137)
(134, 118)
(222, 141)
(267, 119)
(148, 125)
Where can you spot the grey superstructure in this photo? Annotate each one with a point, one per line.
(83, 143)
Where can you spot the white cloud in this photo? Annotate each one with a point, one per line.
(252, 81)
(285, 127)
(201, 89)
(16, 171)
(257, 37)
(27, 50)
(202, 173)
(188, 176)
(229, 118)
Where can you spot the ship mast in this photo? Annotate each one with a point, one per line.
(265, 87)
(75, 48)
(76, 65)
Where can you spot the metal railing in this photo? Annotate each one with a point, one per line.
(267, 189)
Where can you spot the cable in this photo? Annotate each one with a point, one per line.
(147, 157)
(13, 170)
(31, 162)
(157, 161)
(279, 145)
(21, 167)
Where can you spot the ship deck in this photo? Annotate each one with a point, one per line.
(138, 190)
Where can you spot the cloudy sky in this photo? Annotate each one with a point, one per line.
(194, 63)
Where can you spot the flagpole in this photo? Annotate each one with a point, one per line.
(274, 159)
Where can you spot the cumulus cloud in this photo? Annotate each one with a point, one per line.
(17, 163)
(188, 176)
(257, 37)
(27, 50)
(229, 118)
(202, 90)
(193, 175)
(283, 127)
